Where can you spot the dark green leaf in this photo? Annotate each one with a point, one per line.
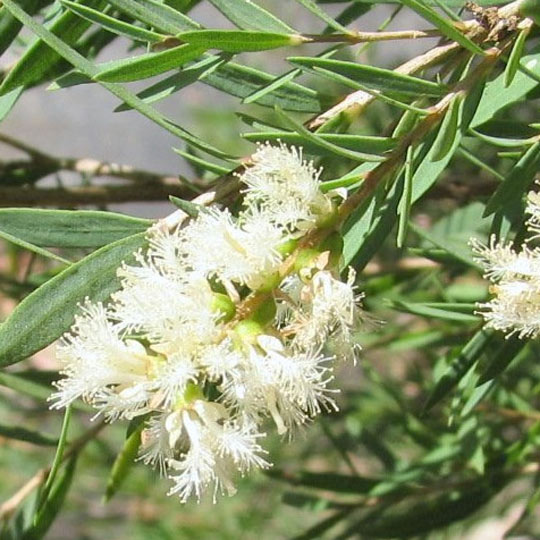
(44, 315)
(319, 141)
(241, 81)
(31, 247)
(177, 81)
(374, 77)
(69, 228)
(449, 131)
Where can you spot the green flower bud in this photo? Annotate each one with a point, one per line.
(246, 331)
(265, 313)
(269, 283)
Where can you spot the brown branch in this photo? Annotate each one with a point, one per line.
(92, 195)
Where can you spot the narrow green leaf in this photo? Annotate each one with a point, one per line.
(449, 130)
(405, 203)
(147, 65)
(44, 315)
(374, 77)
(249, 16)
(22, 434)
(156, 14)
(321, 14)
(444, 25)
(69, 228)
(241, 81)
(123, 462)
(505, 142)
(512, 188)
(175, 82)
(319, 141)
(240, 40)
(121, 28)
(515, 57)
(31, 247)
(358, 143)
(54, 502)
(203, 163)
(439, 310)
(458, 367)
(58, 457)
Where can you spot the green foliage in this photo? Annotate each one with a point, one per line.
(439, 425)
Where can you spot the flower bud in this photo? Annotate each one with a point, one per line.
(224, 305)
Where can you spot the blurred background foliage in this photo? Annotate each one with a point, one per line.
(436, 133)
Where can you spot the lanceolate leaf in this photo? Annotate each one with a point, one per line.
(69, 228)
(357, 143)
(239, 40)
(148, 65)
(374, 77)
(43, 316)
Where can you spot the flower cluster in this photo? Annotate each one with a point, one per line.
(515, 274)
(221, 324)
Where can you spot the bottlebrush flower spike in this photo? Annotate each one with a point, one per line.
(210, 309)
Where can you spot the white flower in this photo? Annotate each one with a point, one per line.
(289, 386)
(211, 449)
(242, 251)
(96, 359)
(284, 186)
(323, 310)
(170, 337)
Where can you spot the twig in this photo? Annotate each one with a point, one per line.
(69, 197)
(355, 102)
